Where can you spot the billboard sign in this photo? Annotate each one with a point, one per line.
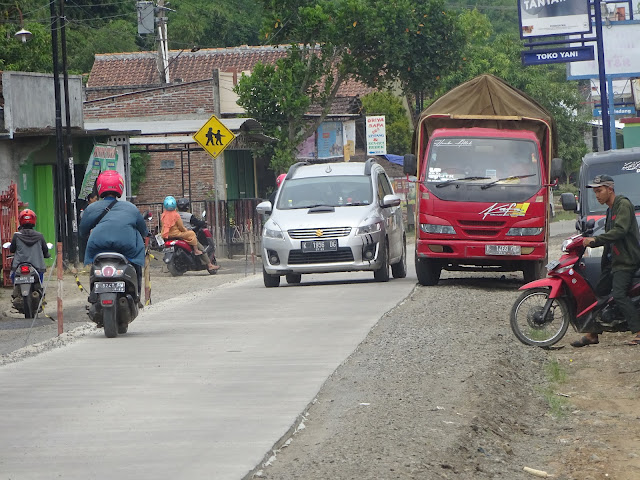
(558, 55)
(376, 135)
(103, 157)
(621, 54)
(542, 18)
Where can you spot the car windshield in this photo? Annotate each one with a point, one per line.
(626, 177)
(473, 169)
(333, 191)
(484, 160)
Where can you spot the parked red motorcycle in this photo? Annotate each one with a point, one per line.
(179, 256)
(542, 314)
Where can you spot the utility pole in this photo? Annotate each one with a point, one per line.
(72, 216)
(216, 112)
(163, 47)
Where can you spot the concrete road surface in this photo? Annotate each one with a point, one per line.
(201, 388)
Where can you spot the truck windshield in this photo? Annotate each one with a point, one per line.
(332, 191)
(626, 176)
(510, 166)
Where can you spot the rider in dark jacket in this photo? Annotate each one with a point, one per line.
(28, 245)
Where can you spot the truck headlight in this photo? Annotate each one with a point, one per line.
(524, 232)
(443, 229)
(273, 231)
(371, 228)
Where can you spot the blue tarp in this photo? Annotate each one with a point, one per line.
(397, 159)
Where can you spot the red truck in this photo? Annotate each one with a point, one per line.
(484, 154)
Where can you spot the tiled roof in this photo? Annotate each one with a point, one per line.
(140, 68)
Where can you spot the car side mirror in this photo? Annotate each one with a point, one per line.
(390, 201)
(264, 208)
(410, 165)
(556, 167)
(568, 201)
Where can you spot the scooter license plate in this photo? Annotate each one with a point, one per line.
(168, 250)
(109, 287)
(551, 265)
(21, 280)
(160, 240)
(502, 249)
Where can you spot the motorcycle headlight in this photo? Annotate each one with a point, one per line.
(370, 228)
(273, 231)
(442, 229)
(524, 232)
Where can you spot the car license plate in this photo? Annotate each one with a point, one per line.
(168, 250)
(159, 240)
(319, 246)
(502, 249)
(26, 279)
(109, 287)
(553, 264)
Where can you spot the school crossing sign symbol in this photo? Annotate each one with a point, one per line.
(214, 137)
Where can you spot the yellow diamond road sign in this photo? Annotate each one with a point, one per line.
(214, 137)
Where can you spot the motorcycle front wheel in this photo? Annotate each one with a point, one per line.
(527, 323)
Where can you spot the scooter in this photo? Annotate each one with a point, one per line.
(179, 256)
(114, 295)
(543, 312)
(28, 290)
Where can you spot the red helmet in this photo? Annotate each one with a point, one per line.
(110, 181)
(27, 217)
(280, 179)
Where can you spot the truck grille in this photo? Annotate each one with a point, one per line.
(313, 233)
(480, 223)
(481, 233)
(343, 254)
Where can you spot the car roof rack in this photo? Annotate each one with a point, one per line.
(293, 169)
(368, 164)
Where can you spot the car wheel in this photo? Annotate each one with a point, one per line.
(382, 273)
(428, 271)
(399, 270)
(270, 280)
(293, 278)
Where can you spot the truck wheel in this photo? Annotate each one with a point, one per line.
(534, 270)
(382, 273)
(399, 270)
(428, 271)
(270, 280)
(110, 321)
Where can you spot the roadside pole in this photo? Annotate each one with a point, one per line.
(60, 288)
(147, 277)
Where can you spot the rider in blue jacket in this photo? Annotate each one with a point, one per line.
(122, 228)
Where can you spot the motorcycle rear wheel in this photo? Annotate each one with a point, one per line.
(26, 307)
(110, 322)
(173, 270)
(528, 325)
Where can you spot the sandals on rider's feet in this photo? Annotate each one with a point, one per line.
(635, 341)
(197, 252)
(583, 342)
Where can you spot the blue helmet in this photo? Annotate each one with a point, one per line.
(169, 203)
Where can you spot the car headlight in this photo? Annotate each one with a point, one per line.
(524, 232)
(371, 228)
(431, 228)
(273, 231)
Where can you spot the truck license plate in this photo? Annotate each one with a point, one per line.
(319, 246)
(109, 287)
(502, 249)
(27, 279)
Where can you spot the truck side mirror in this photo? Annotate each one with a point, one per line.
(410, 166)
(556, 168)
(568, 201)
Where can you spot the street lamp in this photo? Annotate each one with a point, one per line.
(23, 35)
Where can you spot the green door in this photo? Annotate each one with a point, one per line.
(238, 166)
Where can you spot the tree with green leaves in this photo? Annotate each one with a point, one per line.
(376, 42)
(398, 127)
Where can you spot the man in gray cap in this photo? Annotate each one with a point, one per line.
(621, 256)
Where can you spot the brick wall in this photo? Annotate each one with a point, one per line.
(162, 181)
(181, 99)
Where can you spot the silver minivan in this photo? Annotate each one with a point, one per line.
(333, 217)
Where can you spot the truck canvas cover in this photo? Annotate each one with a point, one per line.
(481, 102)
